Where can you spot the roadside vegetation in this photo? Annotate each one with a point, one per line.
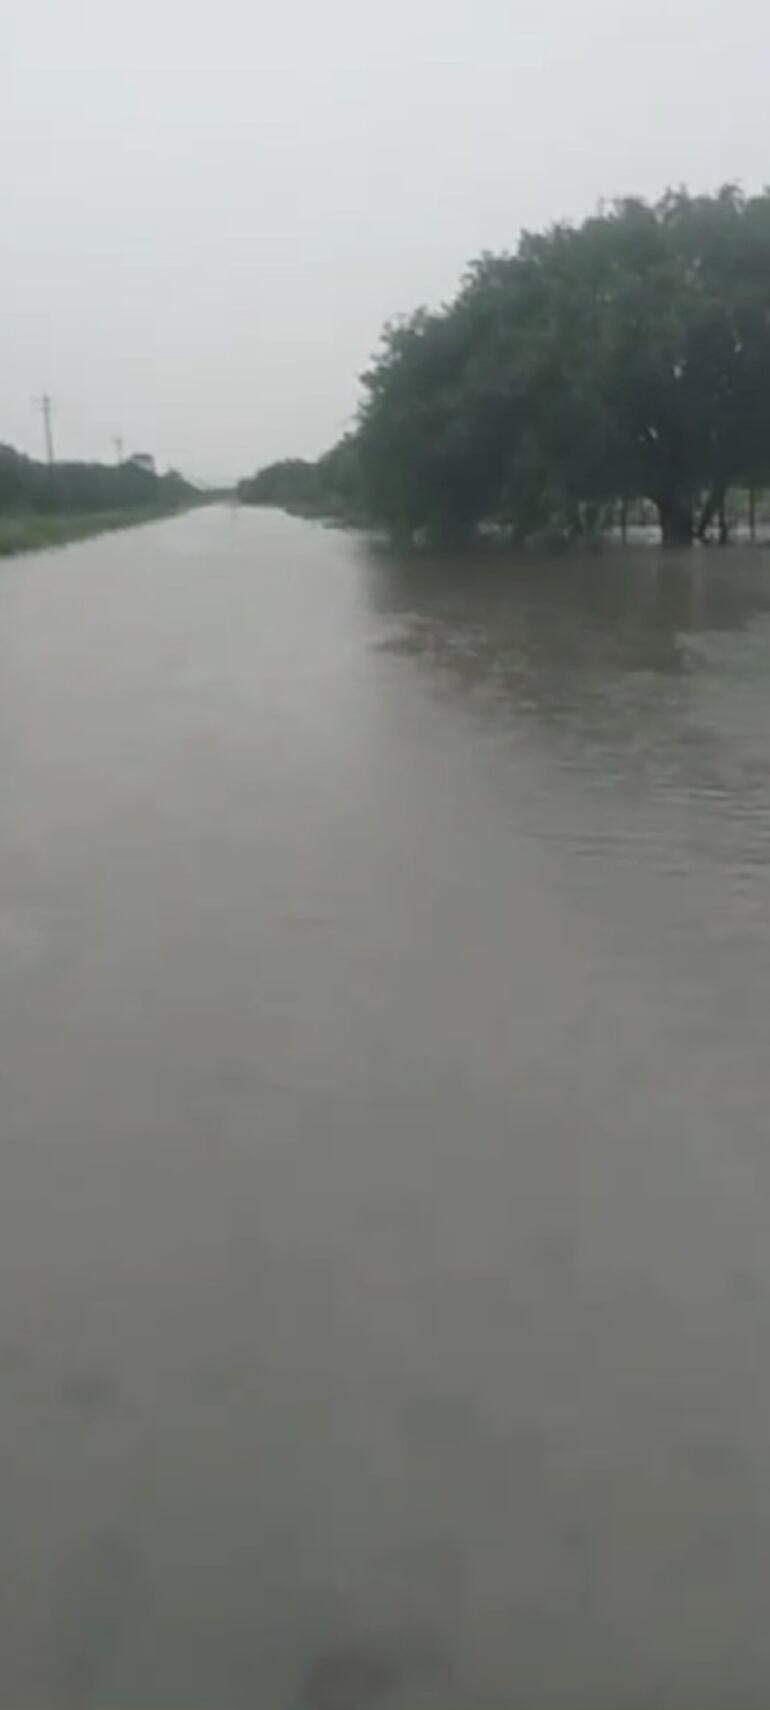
(600, 372)
(46, 506)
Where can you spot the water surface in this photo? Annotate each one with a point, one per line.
(385, 1175)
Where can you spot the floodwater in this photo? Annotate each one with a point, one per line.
(385, 1098)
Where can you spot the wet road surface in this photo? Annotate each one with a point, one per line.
(385, 1165)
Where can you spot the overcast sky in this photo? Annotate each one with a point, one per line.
(209, 207)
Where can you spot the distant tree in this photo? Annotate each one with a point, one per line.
(329, 487)
(293, 482)
(26, 485)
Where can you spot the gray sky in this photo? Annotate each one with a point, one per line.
(209, 207)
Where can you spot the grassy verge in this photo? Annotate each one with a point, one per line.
(31, 531)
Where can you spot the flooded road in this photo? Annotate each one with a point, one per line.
(385, 1166)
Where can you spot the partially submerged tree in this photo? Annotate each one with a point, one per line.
(627, 357)
(624, 359)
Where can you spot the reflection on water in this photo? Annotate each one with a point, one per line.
(384, 1182)
(629, 695)
(643, 676)
(529, 620)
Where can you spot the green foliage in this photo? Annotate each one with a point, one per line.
(625, 358)
(330, 487)
(291, 483)
(84, 488)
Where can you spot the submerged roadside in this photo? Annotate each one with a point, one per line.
(33, 531)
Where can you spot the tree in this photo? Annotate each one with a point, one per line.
(627, 357)
(26, 485)
(290, 483)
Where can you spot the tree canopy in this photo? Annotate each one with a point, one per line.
(332, 485)
(627, 357)
(26, 485)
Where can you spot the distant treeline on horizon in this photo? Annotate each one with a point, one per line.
(28, 486)
(619, 363)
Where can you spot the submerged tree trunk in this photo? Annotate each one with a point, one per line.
(714, 507)
(676, 520)
(451, 534)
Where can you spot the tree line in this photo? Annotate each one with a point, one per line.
(620, 360)
(334, 485)
(29, 487)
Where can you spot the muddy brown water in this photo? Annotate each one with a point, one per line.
(384, 1101)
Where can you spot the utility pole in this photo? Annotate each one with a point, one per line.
(44, 404)
(118, 444)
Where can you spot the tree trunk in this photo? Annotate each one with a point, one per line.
(624, 521)
(752, 515)
(676, 523)
(714, 507)
(724, 532)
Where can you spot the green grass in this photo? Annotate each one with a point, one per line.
(32, 531)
